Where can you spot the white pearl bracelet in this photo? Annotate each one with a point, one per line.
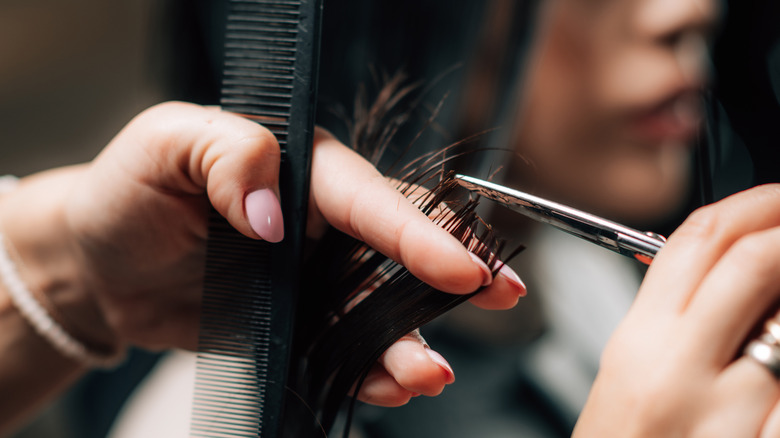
(37, 316)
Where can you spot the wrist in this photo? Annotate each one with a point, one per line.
(41, 253)
(32, 372)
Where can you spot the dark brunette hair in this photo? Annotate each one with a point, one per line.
(356, 302)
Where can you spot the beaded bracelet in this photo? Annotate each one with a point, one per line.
(37, 316)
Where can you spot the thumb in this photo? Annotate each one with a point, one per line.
(189, 149)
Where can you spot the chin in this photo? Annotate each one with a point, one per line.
(647, 196)
(646, 213)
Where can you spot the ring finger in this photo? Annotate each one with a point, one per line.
(745, 393)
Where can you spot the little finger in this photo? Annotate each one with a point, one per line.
(416, 367)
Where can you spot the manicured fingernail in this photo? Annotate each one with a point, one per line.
(265, 215)
(442, 362)
(487, 276)
(511, 276)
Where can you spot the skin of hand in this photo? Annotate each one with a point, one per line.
(118, 245)
(674, 367)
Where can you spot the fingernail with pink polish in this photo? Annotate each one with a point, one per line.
(487, 276)
(442, 362)
(511, 276)
(265, 215)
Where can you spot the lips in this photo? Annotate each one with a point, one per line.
(676, 119)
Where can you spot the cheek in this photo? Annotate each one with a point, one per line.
(637, 77)
(641, 184)
(625, 182)
(559, 134)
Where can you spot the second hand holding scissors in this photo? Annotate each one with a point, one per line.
(619, 238)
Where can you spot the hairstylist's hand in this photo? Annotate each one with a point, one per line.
(675, 367)
(133, 228)
(361, 203)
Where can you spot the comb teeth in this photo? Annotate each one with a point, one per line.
(260, 49)
(229, 398)
(241, 370)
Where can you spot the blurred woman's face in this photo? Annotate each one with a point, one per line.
(611, 105)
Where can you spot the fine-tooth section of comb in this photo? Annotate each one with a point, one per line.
(250, 287)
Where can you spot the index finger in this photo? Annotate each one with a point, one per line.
(701, 241)
(356, 199)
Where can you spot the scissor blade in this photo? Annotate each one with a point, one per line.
(595, 229)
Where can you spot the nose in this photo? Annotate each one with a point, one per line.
(669, 21)
(682, 27)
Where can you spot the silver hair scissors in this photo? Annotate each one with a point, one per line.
(624, 240)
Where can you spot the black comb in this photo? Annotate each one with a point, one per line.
(250, 287)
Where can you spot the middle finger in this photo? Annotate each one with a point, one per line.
(731, 301)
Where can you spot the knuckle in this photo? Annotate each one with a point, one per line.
(258, 148)
(754, 247)
(159, 114)
(161, 121)
(703, 223)
(362, 211)
(259, 135)
(758, 252)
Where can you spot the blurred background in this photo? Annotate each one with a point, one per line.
(72, 75)
(596, 104)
